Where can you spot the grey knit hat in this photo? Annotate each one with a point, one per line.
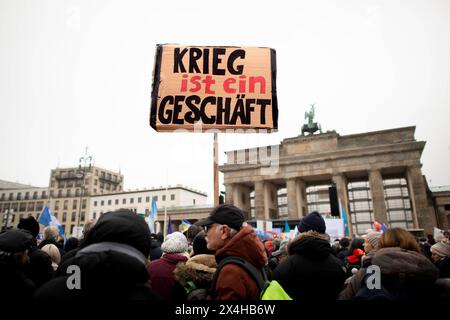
(373, 238)
(175, 243)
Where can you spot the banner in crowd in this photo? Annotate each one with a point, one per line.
(198, 88)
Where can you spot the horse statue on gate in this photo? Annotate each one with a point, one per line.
(311, 126)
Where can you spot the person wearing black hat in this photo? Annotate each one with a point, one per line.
(311, 272)
(112, 261)
(39, 270)
(229, 236)
(14, 245)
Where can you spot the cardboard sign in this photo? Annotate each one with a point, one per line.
(221, 88)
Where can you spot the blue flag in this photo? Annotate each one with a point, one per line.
(286, 227)
(153, 215)
(45, 217)
(186, 222)
(169, 227)
(344, 218)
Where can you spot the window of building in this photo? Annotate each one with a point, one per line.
(131, 200)
(19, 196)
(27, 195)
(69, 184)
(83, 215)
(66, 203)
(124, 201)
(109, 202)
(102, 203)
(139, 200)
(95, 182)
(164, 198)
(52, 193)
(74, 214)
(44, 194)
(69, 193)
(23, 207)
(360, 206)
(35, 195)
(64, 217)
(172, 197)
(398, 204)
(83, 204)
(59, 194)
(95, 203)
(57, 205)
(30, 206)
(193, 201)
(95, 215)
(116, 201)
(147, 199)
(74, 204)
(39, 206)
(3, 196)
(11, 196)
(447, 207)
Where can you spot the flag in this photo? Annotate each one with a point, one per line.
(344, 218)
(384, 227)
(186, 222)
(296, 232)
(152, 216)
(286, 227)
(169, 227)
(376, 225)
(45, 217)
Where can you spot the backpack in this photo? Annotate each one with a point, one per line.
(269, 290)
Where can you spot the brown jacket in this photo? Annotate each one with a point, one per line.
(233, 282)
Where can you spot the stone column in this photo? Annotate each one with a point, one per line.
(241, 198)
(292, 204)
(423, 214)
(259, 200)
(270, 201)
(296, 201)
(341, 186)
(377, 191)
(229, 193)
(301, 199)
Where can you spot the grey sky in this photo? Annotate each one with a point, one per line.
(78, 73)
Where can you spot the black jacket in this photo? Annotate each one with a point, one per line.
(311, 272)
(39, 269)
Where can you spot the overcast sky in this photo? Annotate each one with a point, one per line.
(78, 73)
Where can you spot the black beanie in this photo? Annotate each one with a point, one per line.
(312, 221)
(29, 224)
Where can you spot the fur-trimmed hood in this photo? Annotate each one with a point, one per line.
(199, 269)
(311, 244)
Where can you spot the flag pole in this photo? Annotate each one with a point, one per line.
(216, 169)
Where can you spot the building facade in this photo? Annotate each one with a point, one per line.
(20, 201)
(374, 175)
(140, 201)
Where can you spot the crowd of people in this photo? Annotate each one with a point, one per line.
(118, 258)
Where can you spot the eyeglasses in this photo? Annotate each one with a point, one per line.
(209, 227)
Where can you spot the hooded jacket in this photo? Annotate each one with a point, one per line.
(112, 261)
(311, 271)
(233, 282)
(406, 275)
(196, 275)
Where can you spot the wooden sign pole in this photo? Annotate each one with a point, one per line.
(216, 170)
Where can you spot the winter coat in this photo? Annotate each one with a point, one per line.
(15, 286)
(162, 277)
(311, 272)
(112, 261)
(234, 282)
(39, 269)
(406, 275)
(196, 275)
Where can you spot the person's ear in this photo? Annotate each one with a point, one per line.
(225, 232)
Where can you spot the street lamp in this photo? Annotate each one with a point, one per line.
(84, 163)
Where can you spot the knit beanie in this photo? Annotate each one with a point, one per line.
(373, 238)
(175, 243)
(441, 249)
(312, 221)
